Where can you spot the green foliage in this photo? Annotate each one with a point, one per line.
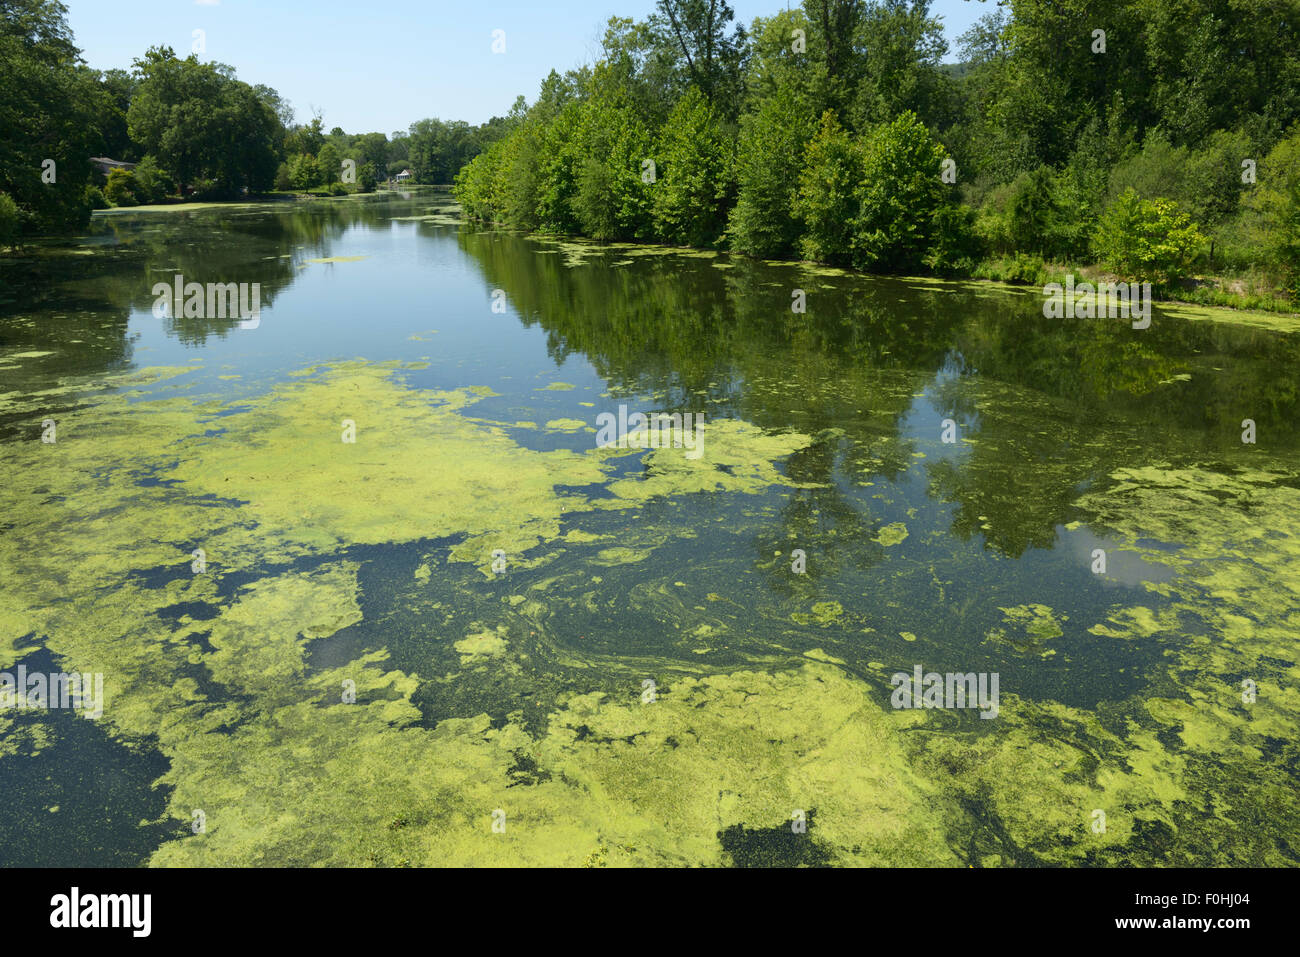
(328, 165)
(306, 138)
(1044, 212)
(152, 184)
(1031, 211)
(1147, 240)
(8, 220)
(202, 124)
(122, 188)
(304, 173)
(95, 197)
(695, 184)
(370, 148)
(875, 203)
(1024, 268)
(478, 187)
(437, 149)
(1206, 182)
(612, 199)
(283, 181)
(827, 201)
(1274, 205)
(955, 246)
(52, 108)
(768, 163)
(696, 35)
(899, 193)
(1047, 133)
(560, 158)
(896, 70)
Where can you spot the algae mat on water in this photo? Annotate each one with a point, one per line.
(300, 757)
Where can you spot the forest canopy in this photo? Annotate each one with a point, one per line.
(190, 128)
(836, 132)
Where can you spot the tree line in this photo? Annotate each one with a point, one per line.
(192, 129)
(1152, 139)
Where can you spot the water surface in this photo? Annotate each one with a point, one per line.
(648, 680)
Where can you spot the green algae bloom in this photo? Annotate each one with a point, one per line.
(823, 613)
(1027, 627)
(419, 613)
(892, 534)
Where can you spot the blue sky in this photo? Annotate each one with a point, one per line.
(384, 64)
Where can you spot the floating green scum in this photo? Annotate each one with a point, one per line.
(498, 739)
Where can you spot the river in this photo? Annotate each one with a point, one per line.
(364, 588)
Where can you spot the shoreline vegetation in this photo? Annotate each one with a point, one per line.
(988, 276)
(1117, 141)
(1063, 141)
(176, 131)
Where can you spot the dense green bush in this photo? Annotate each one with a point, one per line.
(560, 156)
(122, 188)
(95, 197)
(8, 219)
(1274, 207)
(695, 175)
(612, 200)
(304, 173)
(518, 178)
(478, 185)
(827, 202)
(769, 159)
(152, 184)
(1149, 240)
(899, 194)
(1205, 182)
(955, 247)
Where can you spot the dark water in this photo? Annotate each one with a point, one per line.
(1045, 411)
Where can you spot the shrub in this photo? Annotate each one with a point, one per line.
(827, 203)
(303, 172)
(519, 183)
(1031, 211)
(899, 194)
(1020, 268)
(1148, 240)
(1274, 210)
(612, 199)
(476, 185)
(954, 244)
(366, 177)
(559, 160)
(769, 158)
(95, 197)
(1041, 212)
(1205, 182)
(8, 219)
(694, 188)
(153, 185)
(208, 190)
(122, 188)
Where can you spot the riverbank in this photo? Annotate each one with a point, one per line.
(988, 274)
